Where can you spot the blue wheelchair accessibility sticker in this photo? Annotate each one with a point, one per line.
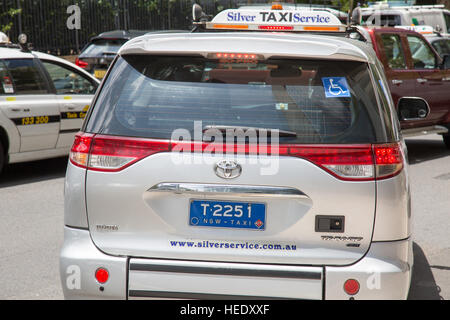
(336, 87)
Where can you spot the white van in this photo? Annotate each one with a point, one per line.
(383, 15)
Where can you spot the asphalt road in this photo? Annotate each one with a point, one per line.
(31, 228)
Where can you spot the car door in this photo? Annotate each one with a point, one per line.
(432, 83)
(74, 92)
(30, 105)
(400, 77)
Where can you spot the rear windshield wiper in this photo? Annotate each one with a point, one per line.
(281, 133)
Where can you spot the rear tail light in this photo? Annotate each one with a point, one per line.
(108, 153)
(81, 63)
(388, 160)
(345, 162)
(79, 154)
(354, 163)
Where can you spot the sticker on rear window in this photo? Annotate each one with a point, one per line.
(7, 85)
(336, 87)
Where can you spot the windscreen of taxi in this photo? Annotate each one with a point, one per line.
(308, 101)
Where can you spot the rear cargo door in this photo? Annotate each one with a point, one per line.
(158, 188)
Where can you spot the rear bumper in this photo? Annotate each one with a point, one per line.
(384, 273)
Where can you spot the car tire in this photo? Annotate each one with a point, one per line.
(2, 157)
(446, 138)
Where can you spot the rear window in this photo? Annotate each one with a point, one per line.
(103, 46)
(315, 101)
(25, 77)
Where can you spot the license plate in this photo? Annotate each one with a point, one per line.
(100, 74)
(226, 214)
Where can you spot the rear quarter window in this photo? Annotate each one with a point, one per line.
(26, 76)
(320, 101)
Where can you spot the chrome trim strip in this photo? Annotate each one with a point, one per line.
(227, 271)
(194, 295)
(247, 190)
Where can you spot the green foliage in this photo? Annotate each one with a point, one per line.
(344, 4)
(10, 14)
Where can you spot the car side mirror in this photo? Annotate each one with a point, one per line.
(356, 16)
(197, 13)
(446, 62)
(412, 108)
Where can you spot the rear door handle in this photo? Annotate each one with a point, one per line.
(70, 107)
(20, 109)
(421, 80)
(395, 81)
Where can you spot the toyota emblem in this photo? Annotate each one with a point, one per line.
(228, 169)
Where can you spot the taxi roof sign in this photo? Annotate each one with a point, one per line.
(276, 20)
(420, 29)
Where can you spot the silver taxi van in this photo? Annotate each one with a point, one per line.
(249, 158)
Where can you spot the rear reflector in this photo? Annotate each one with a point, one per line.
(345, 162)
(102, 275)
(351, 287)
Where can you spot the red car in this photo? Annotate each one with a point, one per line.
(415, 69)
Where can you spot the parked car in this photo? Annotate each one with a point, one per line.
(43, 102)
(439, 41)
(101, 50)
(97, 55)
(173, 189)
(415, 69)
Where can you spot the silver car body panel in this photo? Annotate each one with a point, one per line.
(393, 212)
(75, 197)
(78, 262)
(384, 273)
